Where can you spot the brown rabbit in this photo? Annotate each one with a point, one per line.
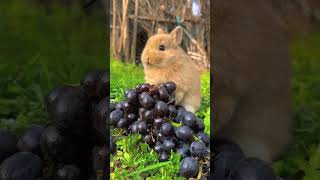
(251, 77)
(164, 61)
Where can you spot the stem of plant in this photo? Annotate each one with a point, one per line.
(200, 170)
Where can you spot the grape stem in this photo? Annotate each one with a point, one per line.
(200, 170)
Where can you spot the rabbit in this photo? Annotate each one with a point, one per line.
(252, 78)
(164, 60)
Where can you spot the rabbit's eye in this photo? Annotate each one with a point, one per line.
(162, 47)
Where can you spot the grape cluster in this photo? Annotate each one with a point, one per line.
(150, 111)
(230, 163)
(73, 146)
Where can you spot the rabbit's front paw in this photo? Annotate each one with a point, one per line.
(190, 108)
(178, 96)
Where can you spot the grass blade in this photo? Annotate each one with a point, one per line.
(148, 168)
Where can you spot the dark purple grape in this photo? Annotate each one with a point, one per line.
(189, 119)
(184, 151)
(167, 129)
(172, 111)
(156, 97)
(142, 111)
(158, 147)
(131, 117)
(158, 122)
(30, 140)
(142, 95)
(184, 133)
(225, 161)
(129, 108)
(94, 82)
(103, 89)
(227, 156)
(163, 94)
(198, 148)
(148, 139)
(134, 127)
(132, 96)
(68, 172)
(120, 106)
(161, 109)
(115, 116)
(160, 137)
(252, 168)
(55, 94)
(146, 101)
(60, 147)
(69, 112)
(154, 91)
(51, 141)
(189, 167)
(179, 116)
(162, 85)
(204, 138)
(168, 144)
(171, 87)
(126, 92)
(142, 127)
(199, 126)
(145, 87)
(148, 116)
(21, 166)
(164, 156)
(138, 88)
(123, 123)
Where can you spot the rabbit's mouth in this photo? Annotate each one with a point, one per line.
(151, 62)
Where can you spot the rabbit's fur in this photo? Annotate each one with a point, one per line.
(251, 78)
(172, 64)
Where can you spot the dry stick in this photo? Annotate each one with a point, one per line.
(114, 24)
(194, 41)
(153, 26)
(134, 35)
(197, 45)
(149, 6)
(126, 44)
(124, 17)
(166, 20)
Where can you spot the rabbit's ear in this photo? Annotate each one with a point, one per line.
(160, 31)
(176, 34)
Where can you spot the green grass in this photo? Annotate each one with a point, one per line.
(135, 156)
(40, 50)
(303, 156)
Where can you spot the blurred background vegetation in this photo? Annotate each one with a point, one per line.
(41, 46)
(302, 161)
